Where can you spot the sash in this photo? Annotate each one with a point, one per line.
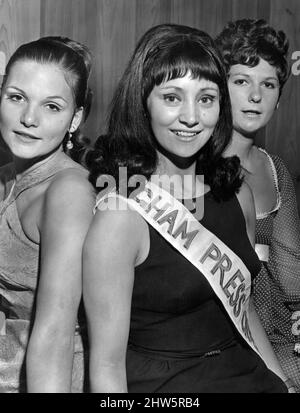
(262, 251)
(224, 270)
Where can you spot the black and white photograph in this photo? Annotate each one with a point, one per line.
(150, 199)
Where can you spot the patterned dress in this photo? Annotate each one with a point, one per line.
(19, 261)
(277, 287)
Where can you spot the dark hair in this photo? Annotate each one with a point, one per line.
(247, 41)
(165, 52)
(74, 59)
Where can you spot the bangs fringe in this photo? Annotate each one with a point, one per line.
(177, 62)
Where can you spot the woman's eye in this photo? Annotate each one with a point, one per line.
(207, 99)
(171, 98)
(269, 85)
(53, 107)
(240, 82)
(16, 97)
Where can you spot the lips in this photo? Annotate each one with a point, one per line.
(252, 112)
(185, 134)
(26, 136)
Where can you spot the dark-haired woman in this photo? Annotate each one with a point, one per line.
(45, 202)
(255, 55)
(165, 286)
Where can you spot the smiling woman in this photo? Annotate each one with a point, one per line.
(36, 108)
(45, 210)
(184, 112)
(164, 300)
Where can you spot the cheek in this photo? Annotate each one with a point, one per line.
(57, 128)
(236, 98)
(210, 117)
(6, 116)
(272, 102)
(162, 117)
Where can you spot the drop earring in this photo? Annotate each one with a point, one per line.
(69, 144)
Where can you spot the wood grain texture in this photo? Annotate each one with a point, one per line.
(209, 16)
(284, 130)
(150, 13)
(19, 23)
(114, 32)
(111, 28)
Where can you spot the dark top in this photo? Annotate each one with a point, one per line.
(176, 316)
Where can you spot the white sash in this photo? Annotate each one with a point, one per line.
(223, 269)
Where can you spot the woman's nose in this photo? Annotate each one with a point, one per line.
(255, 94)
(29, 117)
(189, 115)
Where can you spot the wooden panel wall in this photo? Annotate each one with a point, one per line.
(111, 28)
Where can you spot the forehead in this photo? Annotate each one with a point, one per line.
(39, 78)
(188, 81)
(262, 69)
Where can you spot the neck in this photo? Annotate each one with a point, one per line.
(23, 166)
(241, 146)
(169, 164)
(180, 182)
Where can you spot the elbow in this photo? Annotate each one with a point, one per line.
(50, 345)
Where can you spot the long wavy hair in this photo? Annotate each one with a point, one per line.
(165, 52)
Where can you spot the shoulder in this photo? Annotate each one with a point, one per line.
(119, 216)
(69, 198)
(279, 164)
(283, 175)
(69, 184)
(116, 224)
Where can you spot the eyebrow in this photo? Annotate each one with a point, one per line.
(244, 74)
(47, 97)
(204, 89)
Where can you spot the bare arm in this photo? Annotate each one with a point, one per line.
(110, 253)
(66, 214)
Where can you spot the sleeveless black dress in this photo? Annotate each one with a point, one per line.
(181, 338)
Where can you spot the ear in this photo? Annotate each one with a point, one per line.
(76, 121)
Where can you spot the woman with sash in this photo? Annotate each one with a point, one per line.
(255, 55)
(168, 259)
(45, 211)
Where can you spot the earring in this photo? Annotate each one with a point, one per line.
(277, 106)
(69, 144)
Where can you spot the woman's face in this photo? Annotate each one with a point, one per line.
(184, 113)
(254, 93)
(36, 109)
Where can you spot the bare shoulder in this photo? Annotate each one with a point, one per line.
(68, 201)
(71, 185)
(119, 218)
(117, 227)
